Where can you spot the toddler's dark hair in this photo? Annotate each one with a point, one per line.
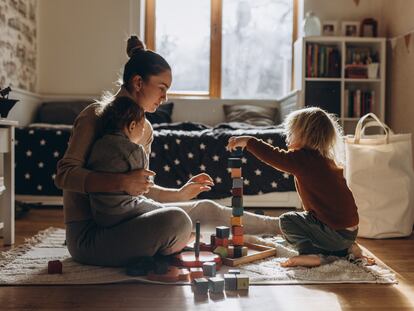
(119, 113)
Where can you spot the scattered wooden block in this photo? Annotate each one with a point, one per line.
(237, 240)
(172, 275)
(222, 232)
(237, 230)
(234, 162)
(238, 251)
(230, 281)
(237, 211)
(209, 269)
(200, 286)
(54, 267)
(184, 275)
(222, 242)
(221, 251)
(230, 251)
(237, 192)
(234, 271)
(242, 281)
(206, 247)
(212, 239)
(236, 173)
(236, 221)
(196, 273)
(238, 182)
(216, 285)
(245, 251)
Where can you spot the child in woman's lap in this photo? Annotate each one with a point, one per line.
(329, 224)
(117, 151)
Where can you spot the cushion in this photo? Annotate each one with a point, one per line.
(60, 112)
(161, 115)
(250, 114)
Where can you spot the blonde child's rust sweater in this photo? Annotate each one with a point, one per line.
(319, 182)
(71, 172)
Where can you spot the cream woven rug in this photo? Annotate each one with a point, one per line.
(27, 265)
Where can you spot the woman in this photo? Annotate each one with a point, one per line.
(146, 79)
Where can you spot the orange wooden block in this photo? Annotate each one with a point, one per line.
(236, 221)
(238, 240)
(196, 273)
(236, 173)
(188, 259)
(222, 242)
(237, 230)
(171, 276)
(184, 275)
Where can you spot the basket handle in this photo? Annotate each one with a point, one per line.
(377, 122)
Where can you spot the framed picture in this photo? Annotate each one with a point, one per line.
(350, 29)
(369, 28)
(329, 28)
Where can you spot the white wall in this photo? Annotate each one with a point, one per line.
(347, 10)
(82, 44)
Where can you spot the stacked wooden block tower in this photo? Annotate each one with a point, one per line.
(237, 250)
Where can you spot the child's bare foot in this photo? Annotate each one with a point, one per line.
(356, 252)
(302, 260)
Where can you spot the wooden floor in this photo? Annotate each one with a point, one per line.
(397, 253)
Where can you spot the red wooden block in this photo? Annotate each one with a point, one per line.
(184, 275)
(196, 273)
(222, 242)
(54, 267)
(237, 192)
(237, 230)
(238, 240)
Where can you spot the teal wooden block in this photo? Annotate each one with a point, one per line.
(209, 269)
(230, 281)
(216, 285)
(237, 211)
(200, 286)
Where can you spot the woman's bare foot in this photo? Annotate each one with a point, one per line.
(356, 251)
(302, 260)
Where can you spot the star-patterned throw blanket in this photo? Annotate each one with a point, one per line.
(27, 265)
(179, 151)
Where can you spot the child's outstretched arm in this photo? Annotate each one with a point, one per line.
(240, 141)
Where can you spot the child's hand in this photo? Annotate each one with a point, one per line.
(240, 141)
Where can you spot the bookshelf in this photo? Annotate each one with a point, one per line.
(332, 73)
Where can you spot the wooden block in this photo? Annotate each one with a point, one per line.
(237, 202)
(236, 221)
(237, 192)
(238, 251)
(54, 267)
(238, 182)
(245, 250)
(236, 172)
(184, 275)
(238, 240)
(196, 273)
(172, 275)
(234, 271)
(212, 239)
(209, 269)
(222, 232)
(188, 259)
(242, 281)
(222, 242)
(230, 281)
(260, 252)
(237, 211)
(230, 251)
(237, 153)
(237, 230)
(216, 285)
(200, 286)
(222, 251)
(234, 162)
(206, 247)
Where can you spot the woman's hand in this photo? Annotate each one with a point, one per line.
(197, 184)
(138, 182)
(240, 141)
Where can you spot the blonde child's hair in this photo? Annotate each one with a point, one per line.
(315, 129)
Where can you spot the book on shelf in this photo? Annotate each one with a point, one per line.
(358, 103)
(322, 61)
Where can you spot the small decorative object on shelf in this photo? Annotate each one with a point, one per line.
(329, 28)
(6, 104)
(311, 25)
(350, 29)
(369, 28)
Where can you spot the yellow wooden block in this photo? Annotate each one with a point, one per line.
(236, 221)
(242, 281)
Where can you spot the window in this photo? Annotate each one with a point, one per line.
(224, 48)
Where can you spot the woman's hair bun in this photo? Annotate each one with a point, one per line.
(134, 45)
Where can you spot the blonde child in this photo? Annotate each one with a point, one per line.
(328, 226)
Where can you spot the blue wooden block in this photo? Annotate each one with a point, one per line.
(222, 232)
(216, 285)
(237, 211)
(238, 182)
(237, 201)
(200, 286)
(209, 269)
(234, 163)
(230, 281)
(237, 153)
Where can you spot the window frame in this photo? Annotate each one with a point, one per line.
(215, 44)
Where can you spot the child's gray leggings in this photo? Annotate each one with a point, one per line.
(164, 231)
